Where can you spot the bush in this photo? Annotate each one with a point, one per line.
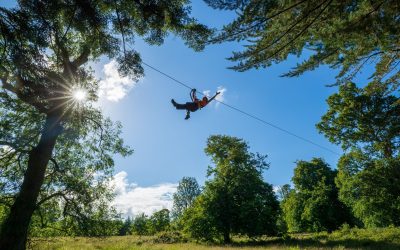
(169, 237)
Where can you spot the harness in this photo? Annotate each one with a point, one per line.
(195, 100)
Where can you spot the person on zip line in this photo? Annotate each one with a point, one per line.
(195, 104)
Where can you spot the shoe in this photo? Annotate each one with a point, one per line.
(187, 116)
(173, 102)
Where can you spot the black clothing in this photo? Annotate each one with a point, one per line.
(190, 106)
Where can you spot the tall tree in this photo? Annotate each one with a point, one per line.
(187, 191)
(313, 205)
(364, 118)
(159, 221)
(140, 224)
(236, 199)
(343, 34)
(371, 187)
(45, 49)
(126, 228)
(365, 122)
(284, 191)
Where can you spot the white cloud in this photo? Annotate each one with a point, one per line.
(207, 93)
(132, 199)
(114, 87)
(276, 189)
(219, 97)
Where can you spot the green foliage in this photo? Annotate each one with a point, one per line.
(292, 208)
(235, 199)
(159, 221)
(140, 225)
(169, 237)
(366, 119)
(284, 191)
(371, 188)
(388, 237)
(45, 50)
(313, 204)
(126, 228)
(343, 34)
(197, 222)
(188, 189)
(345, 238)
(75, 189)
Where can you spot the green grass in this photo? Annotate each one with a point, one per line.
(381, 238)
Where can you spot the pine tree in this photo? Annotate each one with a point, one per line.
(343, 34)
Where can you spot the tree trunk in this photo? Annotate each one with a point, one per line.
(388, 150)
(14, 230)
(227, 238)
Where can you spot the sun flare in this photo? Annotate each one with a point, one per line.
(79, 95)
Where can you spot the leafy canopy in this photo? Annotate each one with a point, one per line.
(45, 50)
(236, 199)
(365, 122)
(343, 34)
(313, 204)
(187, 191)
(364, 118)
(371, 187)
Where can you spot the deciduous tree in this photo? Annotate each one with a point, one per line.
(58, 144)
(371, 187)
(188, 189)
(365, 122)
(313, 204)
(236, 199)
(159, 221)
(140, 225)
(363, 118)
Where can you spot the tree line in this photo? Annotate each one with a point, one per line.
(236, 200)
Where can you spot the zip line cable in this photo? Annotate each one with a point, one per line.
(246, 113)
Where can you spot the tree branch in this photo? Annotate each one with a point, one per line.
(55, 163)
(14, 146)
(217, 39)
(290, 29)
(82, 58)
(20, 84)
(296, 36)
(59, 193)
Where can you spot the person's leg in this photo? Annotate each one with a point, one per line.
(187, 115)
(177, 105)
(192, 106)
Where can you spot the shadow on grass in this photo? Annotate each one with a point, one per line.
(321, 243)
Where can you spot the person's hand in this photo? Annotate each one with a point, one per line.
(218, 93)
(194, 90)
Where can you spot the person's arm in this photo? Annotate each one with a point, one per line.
(212, 98)
(193, 95)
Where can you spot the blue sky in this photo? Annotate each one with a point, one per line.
(167, 147)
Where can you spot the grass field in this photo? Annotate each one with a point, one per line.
(388, 238)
